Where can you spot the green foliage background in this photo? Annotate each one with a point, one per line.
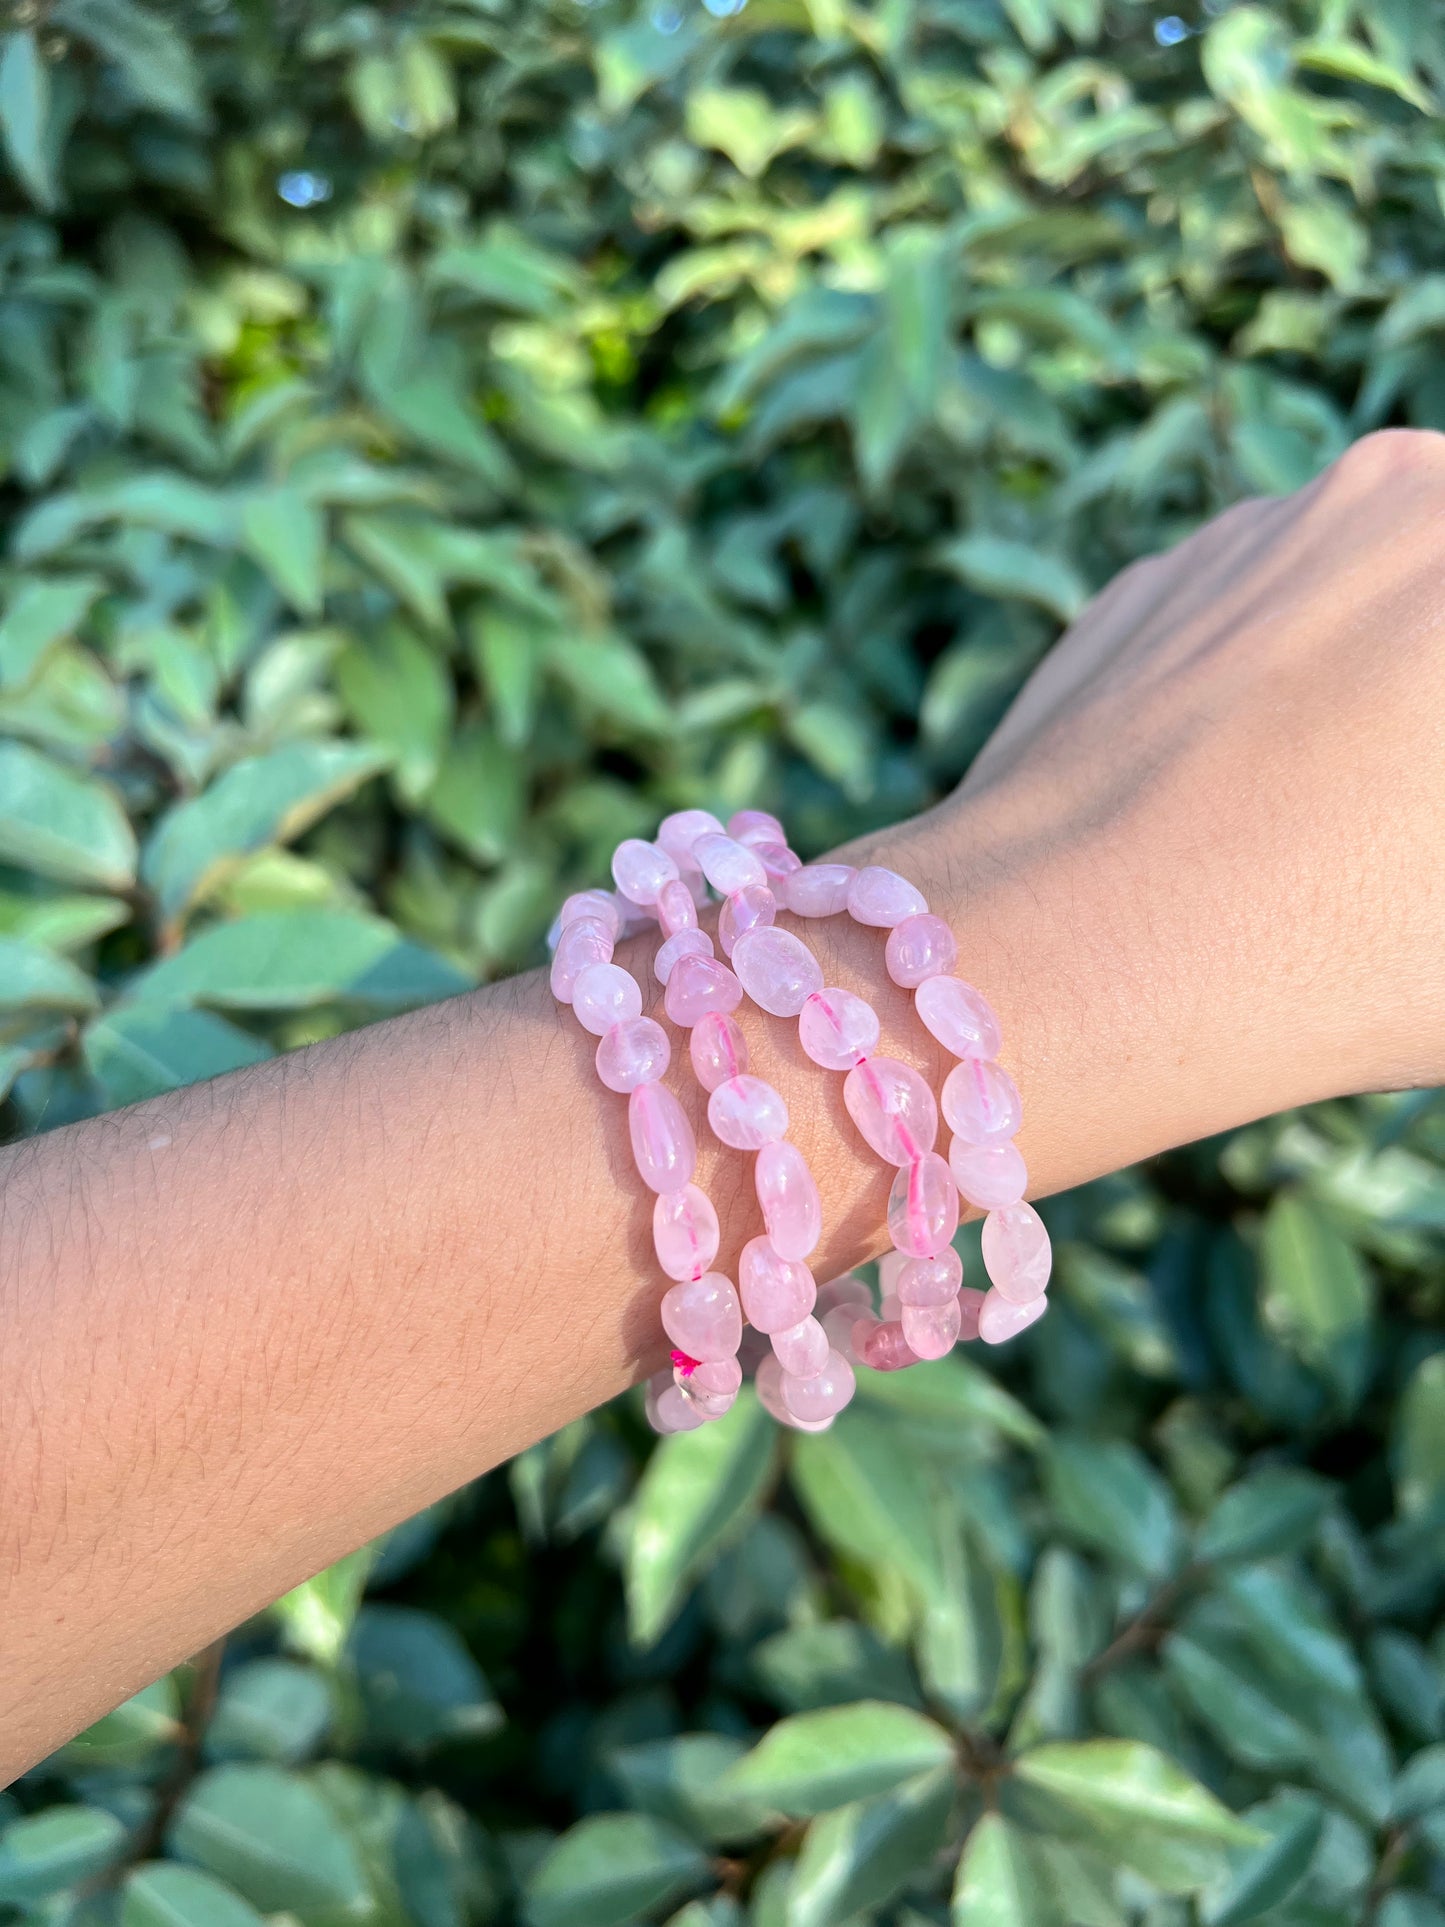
(434, 440)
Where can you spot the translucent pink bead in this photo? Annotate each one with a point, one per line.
(777, 970)
(748, 909)
(1001, 1318)
(592, 903)
(675, 908)
(839, 1325)
(918, 948)
(727, 864)
(605, 994)
(882, 1346)
(713, 1387)
(673, 1412)
(718, 1049)
(792, 1209)
(882, 898)
(931, 1330)
(981, 1101)
(923, 1207)
(802, 1349)
(745, 1114)
(663, 1145)
(702, 1316)
(988, 1175)
(846, 1293)
(893, 1108)
(970, 1304)
(699, 985)
(958, 1017)
(889, 1307)
(755, 826)
(769, 1383)
(677, 833)
(686, 943)
(640, 869)
(778, 860)
(776, 1291)
(890, 1269)
(685, 1232)
(1017, 1254)
(633, 1052)
(819, 889)
(583, 942)
(931, 1281)
(836, 1028)
(823, 1395)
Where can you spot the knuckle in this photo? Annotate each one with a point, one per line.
(1386, 453)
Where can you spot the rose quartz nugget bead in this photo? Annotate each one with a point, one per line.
(882, 1346)
(640, 869)
(932, 1330)
(756, 826)
(1001, 1318)
(819, 889)
(893, 1108)
(592, 903)
(702, 1316)
(847, 1292)
(685, 1232)
(686, 943)
(718, 1050)
(930, 1281)
(712, 1388)
(603, 995)
(802, 1349)
(778, 860)
(836, 1028)
(675, 908)
(677, 833)
(675, 1412)
(839, 1325)
(883, 898)
(970, 1305)
(981, 1101)
(776, 1292)
(582, 943)
(631, 1053)
(745, 1114)
(698, 986)
(727, 864)
(923, 1207)
(823, 1395)
(890, 1269)
(777, 970)
(749, 909)
(1017, 1254)
(663, 1146)
(919, 948)
(792, 1208)
(958, 1017)
(988, 1175)
(769, 1382)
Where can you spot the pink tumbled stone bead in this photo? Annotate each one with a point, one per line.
(1001, 1318)
(836, 1028)
(882, 1346)
(988, 1175)
(640, 869)
(749, 909)
(777, 970)
(932, 1330)
(802, 1349)
(745, 1114)
(923, 1207)
(675, 908)
(677, 833)
(981, 1101)
(930, 1281)
(893, 1108)
(699, 985)
(846, 1293)
(958, 1017)
(970, 1305)
(819, 889)
(702, 1316)
(769, 1383)
(603, 995)
(792, 1208)
(821, 1396)
(712, 1388)
(686, 943)
(592, 903)
(882, 898)
(756, 826)
(839, 1324)
(663, 1145)
(890, 1269)
(673, 1411)
(685, 1232)
(718, 1049)
(918, 948)
(778, 860)
(1017, 1254)
(727, 864)
(583, 942)
(776, 1291)
(633, 1052)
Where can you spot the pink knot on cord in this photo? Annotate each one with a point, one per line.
(684, 1363)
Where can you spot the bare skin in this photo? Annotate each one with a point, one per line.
(249, 1326)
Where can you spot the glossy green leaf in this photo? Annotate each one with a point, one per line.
(816, 1761)
(683, 1781)
(1002, 1880)
(60, 823)
(868, 1496)
(32, 978)
(861, 1855)
(47, 1853)
(287, 962)
(156, 63)
(417, 1682)
(267, 1833)
(25, 116)
(43, 611)
(1273, 1512)
(135, 1051)
(1261, 1877)
(609, 1869)
(399, 692)
(286, 534)
(1107, 1495)
(269, 1709)
(1317, 1296)
(1419, 1439)
(161, 1894)
(997, 566)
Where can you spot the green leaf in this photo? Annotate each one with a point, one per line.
(816, 1761)
(612, 1867)
(825, 1664)
(1418, 1447)
(1003, 1881)
(866, 1493)
(161, 1894)
(25, 115)
(134, 1732)
(860, 1856)
(60, 824)
(286, 533)
(1421, 1785)
(697, 1495)
(1405, 1909)
(682, 1780)
(1272, 1512)
(479, 797)
(57, 922)
(318, 1615)
(1261, 1877)
(49, 1852)
(269, 1709)
(135, 1052)
(32, 978)
(43, 611)
(156, 61)
(269, 1835)
(1316, 1293)
(418, 1684)
(610, 677)
(996, 566)
(1107, 1495)
(400, 693)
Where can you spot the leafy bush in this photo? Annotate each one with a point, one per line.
(437, 439)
